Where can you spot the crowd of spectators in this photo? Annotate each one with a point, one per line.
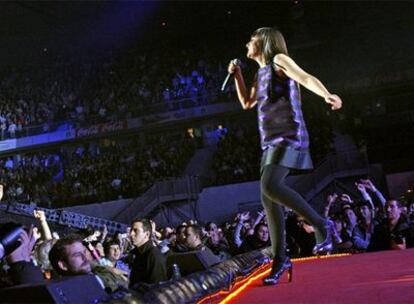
(139, 257)
(94, 172)
(237, 158)
(111, 87)
(368, 222)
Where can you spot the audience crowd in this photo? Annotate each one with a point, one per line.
(96, 171)
(107, 88)
(138, 258)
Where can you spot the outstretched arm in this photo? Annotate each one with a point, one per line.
(329, 201)
(237, 231)
(366, 196)
(259, 218)
(293, 71)
(370, 186)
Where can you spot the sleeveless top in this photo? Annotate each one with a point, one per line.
(283, 135)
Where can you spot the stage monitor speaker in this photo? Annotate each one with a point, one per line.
(193, 261)
(75, 289)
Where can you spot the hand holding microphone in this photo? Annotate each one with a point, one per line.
(232, 68)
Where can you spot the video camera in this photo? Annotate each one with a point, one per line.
(9, 238)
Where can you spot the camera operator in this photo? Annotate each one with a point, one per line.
(16, 245)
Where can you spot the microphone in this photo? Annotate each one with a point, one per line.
(226, 80)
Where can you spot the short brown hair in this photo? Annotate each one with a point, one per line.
(58, 251)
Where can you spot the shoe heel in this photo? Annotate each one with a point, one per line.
(290, 274)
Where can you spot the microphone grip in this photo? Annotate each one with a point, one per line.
(223, 87)
(226, 80)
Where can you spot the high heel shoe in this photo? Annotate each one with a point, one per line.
(278, 271)
(327, 245)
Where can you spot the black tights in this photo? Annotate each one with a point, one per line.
(275, 194)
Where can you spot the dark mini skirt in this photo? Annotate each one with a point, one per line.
(287, 157)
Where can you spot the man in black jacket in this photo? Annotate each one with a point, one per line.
(394, 232)
(149, 265)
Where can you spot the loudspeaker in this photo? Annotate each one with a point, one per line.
(76, 289)
(192, 261)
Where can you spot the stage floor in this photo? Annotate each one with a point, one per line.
(380, 277)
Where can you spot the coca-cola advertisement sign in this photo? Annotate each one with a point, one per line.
(102, 128)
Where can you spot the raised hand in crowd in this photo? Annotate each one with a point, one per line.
(367, 183)
(259, 218)
(261, 214)
(155, 233)
(245, 216)
(41, 216)
(329, 201)
(346, 198)
(104, 233)
(360, 187)
(94, 236)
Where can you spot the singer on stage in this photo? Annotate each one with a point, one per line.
(284, 138)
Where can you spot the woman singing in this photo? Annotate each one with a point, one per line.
(284, 138)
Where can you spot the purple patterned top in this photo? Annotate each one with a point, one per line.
(279, 111)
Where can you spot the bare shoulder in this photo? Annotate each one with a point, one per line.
(282, 59)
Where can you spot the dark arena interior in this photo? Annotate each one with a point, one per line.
(141, 163)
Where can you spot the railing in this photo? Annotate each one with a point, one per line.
(174, 189)
(168, 190)
(137, 111)
(66, 218)
(188, 188)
